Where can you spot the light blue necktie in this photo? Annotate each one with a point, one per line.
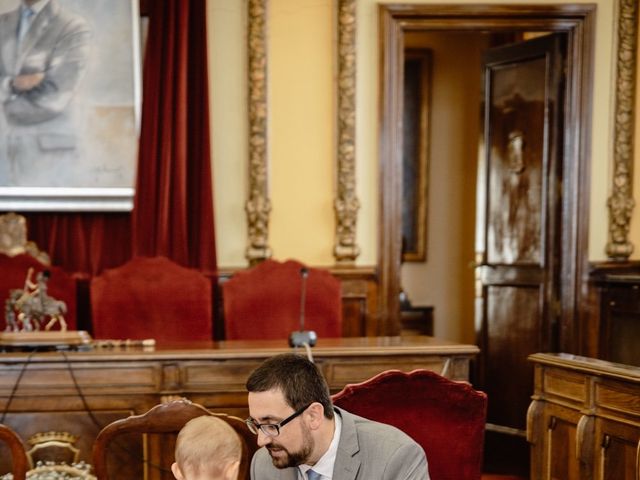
(311, 475)
(26, 15)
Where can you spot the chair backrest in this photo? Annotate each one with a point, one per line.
(152, 297)
(264, 302)
(20, 464)
(169, 418)
(446, 418)
(60, 285)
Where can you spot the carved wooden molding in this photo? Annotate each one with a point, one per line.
(258, 205)
(346, 203)
(621, 201)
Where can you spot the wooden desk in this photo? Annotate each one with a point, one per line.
(81, 391)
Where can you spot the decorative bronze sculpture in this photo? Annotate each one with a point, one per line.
(27, 309)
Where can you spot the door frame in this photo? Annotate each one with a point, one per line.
(578, 23)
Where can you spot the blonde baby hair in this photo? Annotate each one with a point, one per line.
(207, 447)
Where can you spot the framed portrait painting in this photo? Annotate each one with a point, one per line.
(415, 153)
(69, 104)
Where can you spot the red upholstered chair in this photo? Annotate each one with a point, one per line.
(20, 464)
(446, 418)
(151, 298)
(265, 302)
(61, 286)
(168, 418)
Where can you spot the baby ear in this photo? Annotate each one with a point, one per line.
(231, 470)
(176, 471)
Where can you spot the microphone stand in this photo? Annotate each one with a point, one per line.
(303, 337)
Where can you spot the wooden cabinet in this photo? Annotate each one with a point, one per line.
(610, 316)
(584, 420)
(620, 319)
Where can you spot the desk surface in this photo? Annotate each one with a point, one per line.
(234, 349)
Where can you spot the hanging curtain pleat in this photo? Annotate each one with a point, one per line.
(173, 212)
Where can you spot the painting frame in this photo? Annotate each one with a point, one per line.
(416, 96)
(108, 187)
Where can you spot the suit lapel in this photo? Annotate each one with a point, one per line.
(347, 458)
(288, 474)
(9, 42)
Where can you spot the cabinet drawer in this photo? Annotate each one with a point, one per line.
(565, 385)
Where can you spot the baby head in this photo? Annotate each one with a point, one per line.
(207, 448)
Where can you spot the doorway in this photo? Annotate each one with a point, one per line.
(474, 29)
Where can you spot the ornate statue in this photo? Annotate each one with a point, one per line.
(27, 310)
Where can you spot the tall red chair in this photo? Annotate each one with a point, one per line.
(61, 286)
(20, 464)
(446, 418)
(264, 302)
(151, 297)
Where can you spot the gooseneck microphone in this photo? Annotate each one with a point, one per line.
(303, 337)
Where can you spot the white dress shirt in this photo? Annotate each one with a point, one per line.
(324, 466)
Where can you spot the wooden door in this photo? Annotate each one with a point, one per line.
(560, 445)
(518, 237)
(617, 451)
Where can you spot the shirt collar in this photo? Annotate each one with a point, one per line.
(37, 6)
(324, 466)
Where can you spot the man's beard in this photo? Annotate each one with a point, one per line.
(293, 459)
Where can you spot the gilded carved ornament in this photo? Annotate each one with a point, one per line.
(346, 204)
(621, 202)
(258, 205)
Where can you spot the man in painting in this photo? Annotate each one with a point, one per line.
(43, 55)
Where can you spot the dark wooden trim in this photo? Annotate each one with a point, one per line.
(577, 21)
(390, 240)
(577, 168)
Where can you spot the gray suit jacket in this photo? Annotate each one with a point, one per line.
(57, 44)
(366, 451)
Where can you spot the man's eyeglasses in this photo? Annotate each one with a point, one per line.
(272, 429)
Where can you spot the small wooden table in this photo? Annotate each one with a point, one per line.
(81, 391)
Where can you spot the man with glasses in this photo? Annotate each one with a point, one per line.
(305, 438)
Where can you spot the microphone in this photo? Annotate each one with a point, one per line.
(303, 337)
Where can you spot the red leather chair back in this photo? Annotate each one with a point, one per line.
(264, 302)
(61, 286)
(151, 298)
(446, 418)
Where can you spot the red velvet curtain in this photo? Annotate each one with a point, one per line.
(173, 213)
